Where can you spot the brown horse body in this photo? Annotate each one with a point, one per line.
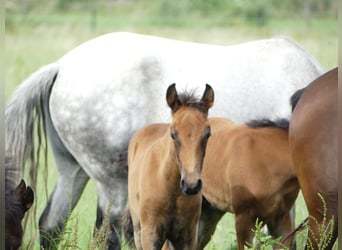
(314, 145)
(164, 177)
(249, 172)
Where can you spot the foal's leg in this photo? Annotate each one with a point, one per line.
(186, 240)
(150, 237)
(243, 226)
(137, 233)
(210, 216)
(67, 191)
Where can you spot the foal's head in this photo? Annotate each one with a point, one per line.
(17, 201)
(190, 131)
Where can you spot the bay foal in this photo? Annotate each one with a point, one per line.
(164, 174)
(248, 171)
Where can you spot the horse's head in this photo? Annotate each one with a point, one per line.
(17, 202)
(190, 131)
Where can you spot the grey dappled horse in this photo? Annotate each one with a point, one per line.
(94, 98)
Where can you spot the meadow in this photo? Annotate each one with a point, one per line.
(39, 39)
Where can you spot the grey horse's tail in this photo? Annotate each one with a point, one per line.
(24, 116)
(25, 133)
(127, 228)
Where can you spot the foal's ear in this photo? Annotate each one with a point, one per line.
(208, 96)
(21, 188)
(172, 98)
(26, 195)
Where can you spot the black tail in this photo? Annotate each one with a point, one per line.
(295, 98)
(260, 123)
(127, 228)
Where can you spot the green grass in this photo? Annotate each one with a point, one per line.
(41, 39)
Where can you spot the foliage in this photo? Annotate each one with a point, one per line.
(101, 235)
(258, 11)
(263, 240)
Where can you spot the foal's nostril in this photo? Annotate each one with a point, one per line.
(182, 185)
(199, 184)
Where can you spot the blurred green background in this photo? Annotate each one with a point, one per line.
(41, 31)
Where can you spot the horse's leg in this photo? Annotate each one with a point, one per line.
(282, 226)
(67, 191)
(320, 224)
(112, 199)
(151, 235)
(243, 226)
(137, 233)
(187, 239)
(150, 239)
(210, 216)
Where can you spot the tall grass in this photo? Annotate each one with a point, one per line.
(43, 38)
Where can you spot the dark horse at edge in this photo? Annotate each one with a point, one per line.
(313, 137)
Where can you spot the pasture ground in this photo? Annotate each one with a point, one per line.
(41, 39)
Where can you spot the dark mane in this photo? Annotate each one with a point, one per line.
(261, 123)
(295, 98)
(189, 99)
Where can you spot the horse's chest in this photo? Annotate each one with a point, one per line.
(184, 211)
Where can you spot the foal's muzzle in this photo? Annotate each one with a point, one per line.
(190, 189)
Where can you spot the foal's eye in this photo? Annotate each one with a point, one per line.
(207, 133)
(173, 135)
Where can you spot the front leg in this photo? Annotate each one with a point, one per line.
(282, 226)
(151, 238)
(243, 226)
(187, 239)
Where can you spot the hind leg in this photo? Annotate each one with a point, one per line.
(112, 199)
(321, 222)
(70, 184)
(282, 226)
